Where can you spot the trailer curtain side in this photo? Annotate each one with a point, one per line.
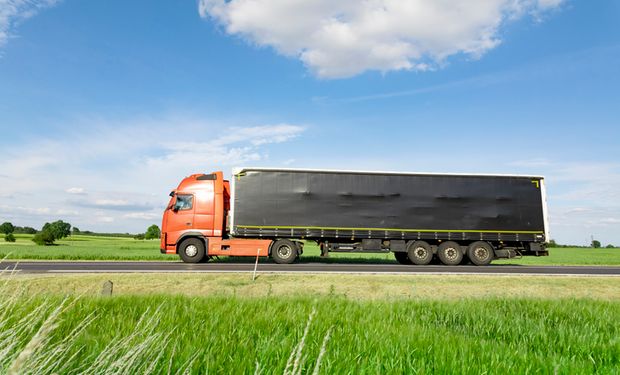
(297, 203)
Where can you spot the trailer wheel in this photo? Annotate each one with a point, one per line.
(192, 250)
(480, 253)
(450, 253)
(284, 251)
(401, 257)
(420, 253)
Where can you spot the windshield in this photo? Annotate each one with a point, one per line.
(183, 202)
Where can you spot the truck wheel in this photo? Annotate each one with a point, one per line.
(420, 253)
(450, 253)
(401, 257)
(192, 250)
(480, 253)
(284, 251)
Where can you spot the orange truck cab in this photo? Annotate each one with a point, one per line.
(194, 222)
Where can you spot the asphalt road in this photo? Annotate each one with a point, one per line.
(145, 267)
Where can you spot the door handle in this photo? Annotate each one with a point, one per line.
(188, 223)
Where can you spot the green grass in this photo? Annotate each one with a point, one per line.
(82, 247)
(557, 256)
(127, 334)
(570, 256)
(353, 286)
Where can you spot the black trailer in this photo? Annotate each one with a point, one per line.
(414, 215)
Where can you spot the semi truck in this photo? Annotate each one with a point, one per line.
(419, 217)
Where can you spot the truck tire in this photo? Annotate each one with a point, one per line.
(450, 253)
(401, 257)
(420, 253)
(192, 250)
(284, 251)
(480, 253)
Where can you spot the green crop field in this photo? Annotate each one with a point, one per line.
(46, 330)
(81, 247)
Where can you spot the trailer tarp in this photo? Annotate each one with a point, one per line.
(321, 202)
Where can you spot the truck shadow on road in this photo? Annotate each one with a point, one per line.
(336, 260)
(303, 260)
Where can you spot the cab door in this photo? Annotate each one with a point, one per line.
(181, 217)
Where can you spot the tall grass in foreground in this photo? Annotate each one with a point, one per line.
(177, 335)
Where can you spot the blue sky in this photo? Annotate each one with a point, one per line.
(105, 106)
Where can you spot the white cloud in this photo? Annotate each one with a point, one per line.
(236, 145)
(112, 176)
(75, 190)
(149, 216)
(64, 212)
(11, 211)
(584, 198)
(111, 202)
(338, 39)
(12, 12)
(610, 220)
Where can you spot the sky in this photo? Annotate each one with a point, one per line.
(106, 105)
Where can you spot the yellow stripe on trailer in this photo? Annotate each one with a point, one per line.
(391, 229)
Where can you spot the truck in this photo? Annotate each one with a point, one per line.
(421, 218)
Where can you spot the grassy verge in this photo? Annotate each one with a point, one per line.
(175, 334)
(82, 247)
(355, 287)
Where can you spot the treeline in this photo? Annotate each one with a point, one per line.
(593, 245)
(99, 234)
(24, 230)
(57, 230)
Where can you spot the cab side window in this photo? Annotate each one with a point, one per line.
(184, 202)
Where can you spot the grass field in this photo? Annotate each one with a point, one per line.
(355, 287)
(82, 247)
(147, 327)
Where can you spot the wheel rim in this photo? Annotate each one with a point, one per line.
(420, 253)
(451, 254)
(481, 253)
(284, 251)
(191, 250)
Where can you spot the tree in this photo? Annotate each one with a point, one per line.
(76, 230)
(25, 230)
(9, 237)
(139, 236)
(44, 238)
(59, 229)
(152, 232)
(7, 228)
(596, 244)
(552, 243)
(610, 246)
(52, 232)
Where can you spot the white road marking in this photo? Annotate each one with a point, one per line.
(333, 272)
